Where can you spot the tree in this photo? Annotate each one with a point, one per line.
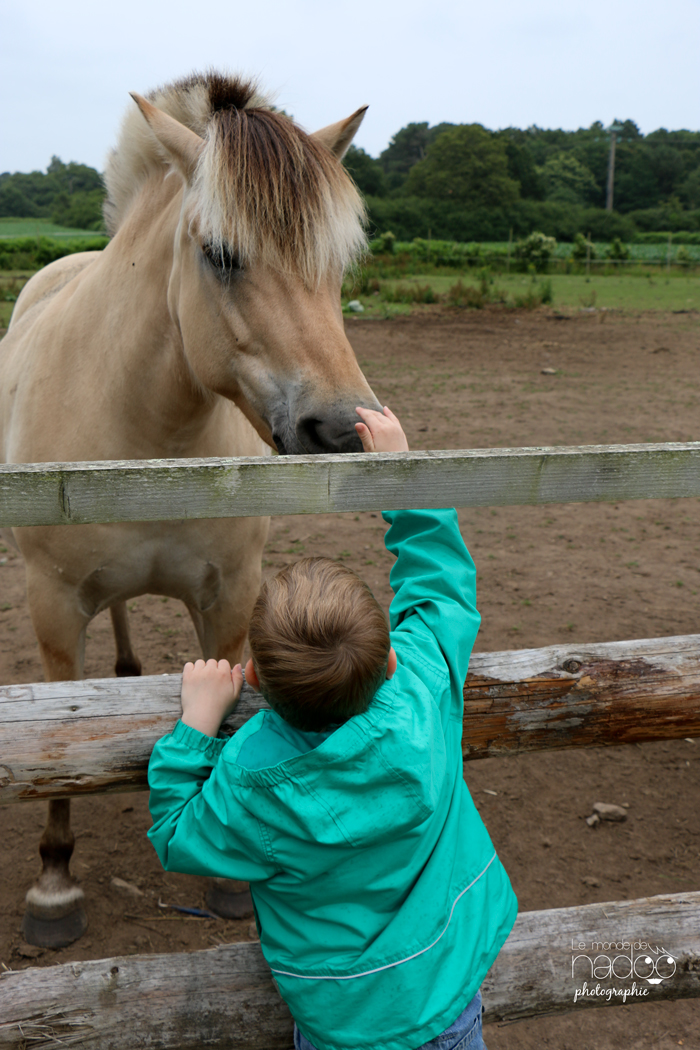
(14, 202)
(47, 193)
(521, 164)
(407, 147)
(467, 165)
(689, 189)
(81, 210)
(366, 171)
(567, 180)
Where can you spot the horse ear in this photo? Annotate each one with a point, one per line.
(337, 137)
(181, 144)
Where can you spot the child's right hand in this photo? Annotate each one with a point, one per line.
(210, 691)
(380, 431)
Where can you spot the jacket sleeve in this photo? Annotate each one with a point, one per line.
(199, 825)
(433, 614)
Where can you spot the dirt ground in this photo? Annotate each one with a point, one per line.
(578, 573)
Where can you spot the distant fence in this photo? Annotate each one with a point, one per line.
(72, 738)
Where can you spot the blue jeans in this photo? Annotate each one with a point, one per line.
(464, 1034)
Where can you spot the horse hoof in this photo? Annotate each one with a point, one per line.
(230, 903)
(54, 933)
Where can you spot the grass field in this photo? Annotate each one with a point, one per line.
(13, 227)
(569, 291)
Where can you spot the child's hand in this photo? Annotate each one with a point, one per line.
(210, 691)
(380, 431)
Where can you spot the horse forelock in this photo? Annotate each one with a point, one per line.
(270, 192)
(263, 188)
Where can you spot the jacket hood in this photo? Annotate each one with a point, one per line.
(349, 790)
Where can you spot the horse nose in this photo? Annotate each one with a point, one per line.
(327, 435)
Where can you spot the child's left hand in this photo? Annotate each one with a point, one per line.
(210, 691)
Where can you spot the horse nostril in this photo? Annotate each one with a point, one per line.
(308, 432)
(322, 435)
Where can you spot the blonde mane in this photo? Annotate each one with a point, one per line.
(264, 189)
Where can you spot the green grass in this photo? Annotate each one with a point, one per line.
(570, 291)
(623, 292)
(13, 227)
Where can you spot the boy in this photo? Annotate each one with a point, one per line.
(379, 899)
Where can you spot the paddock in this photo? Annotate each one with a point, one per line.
(487, 799)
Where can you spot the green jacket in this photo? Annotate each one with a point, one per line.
(380, 901)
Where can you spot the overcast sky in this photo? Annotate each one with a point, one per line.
(67, 67)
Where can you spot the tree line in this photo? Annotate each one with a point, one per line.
(464, 182)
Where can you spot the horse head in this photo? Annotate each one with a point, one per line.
(268, 222)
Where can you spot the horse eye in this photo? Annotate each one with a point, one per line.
(222, 258)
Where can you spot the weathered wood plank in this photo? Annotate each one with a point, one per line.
(582, 696)
(225, 997)
(68, 738)
(151, 490)
(221, 997)
(533, 974)
(60, 739)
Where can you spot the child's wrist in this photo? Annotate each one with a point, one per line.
(203, 720)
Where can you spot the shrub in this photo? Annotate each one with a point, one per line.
(683, 257)
(617, 250)
(582, 247)
(385, 243)
(31, 253)
(535, 296)
(535, 250)
(461, 294)
(408, 293)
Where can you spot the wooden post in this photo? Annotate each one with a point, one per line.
(588, 256)
(510, 245)
(611, 172)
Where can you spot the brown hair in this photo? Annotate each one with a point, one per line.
(320, 643)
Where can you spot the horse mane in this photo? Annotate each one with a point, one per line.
(263, 190)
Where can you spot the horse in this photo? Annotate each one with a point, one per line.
(210, 325)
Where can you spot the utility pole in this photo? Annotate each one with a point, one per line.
(614, 129)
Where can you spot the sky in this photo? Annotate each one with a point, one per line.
(67, 68)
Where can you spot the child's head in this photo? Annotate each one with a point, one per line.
(320, 643)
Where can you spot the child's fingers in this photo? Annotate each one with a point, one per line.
(237, 679)
(390, 414)
(365, 436)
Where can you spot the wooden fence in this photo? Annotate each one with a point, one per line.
(71, 738)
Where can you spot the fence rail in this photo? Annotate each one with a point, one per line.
(77, 738)
(225, 996)
(157, 490)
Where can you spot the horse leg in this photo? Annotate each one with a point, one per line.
(55, 914)
(222, 632)
(128, 663)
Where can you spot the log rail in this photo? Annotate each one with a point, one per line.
(59, 739)
(225, 996)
